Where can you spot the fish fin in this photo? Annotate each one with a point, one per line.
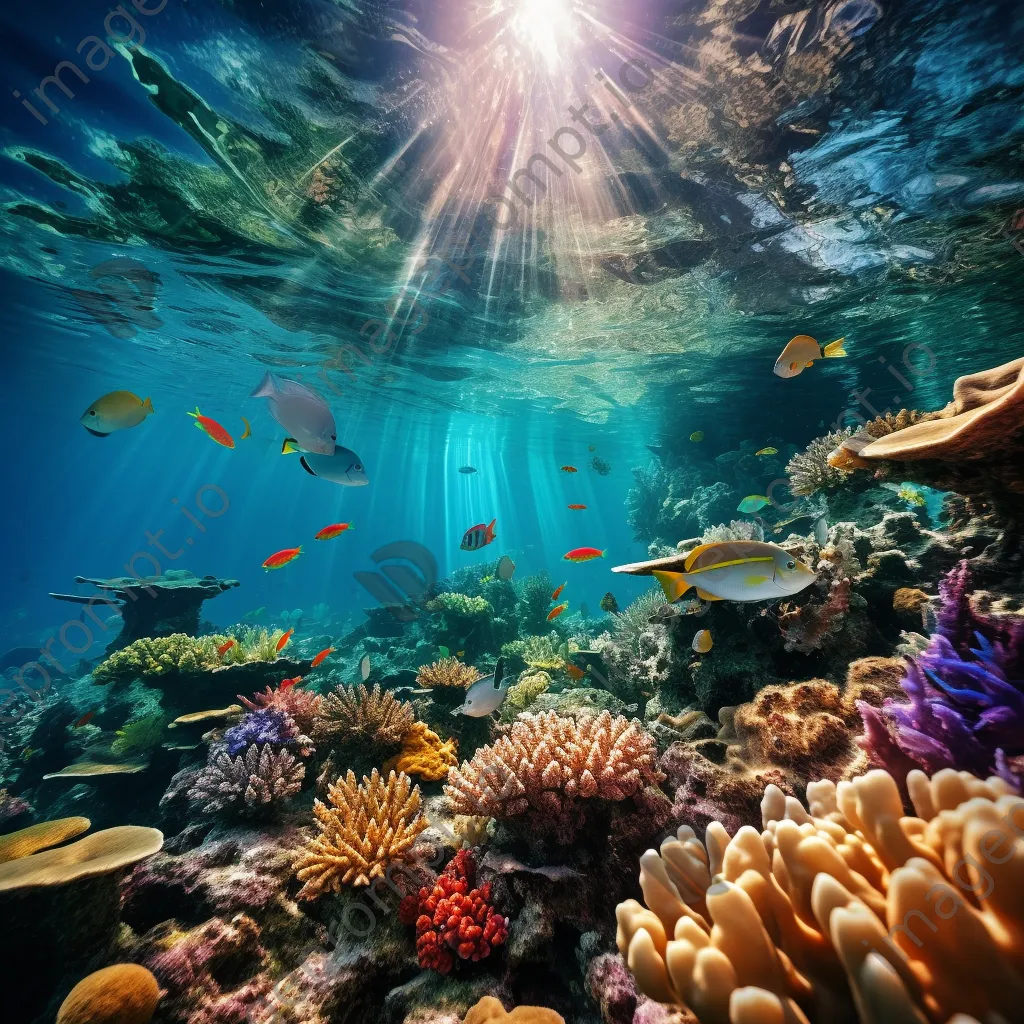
(266, 388)
(605, 552)
(674, 584)
(457, 711)
(289, 446)
(194, 415)
(97, 433)
(490, 529)
(705, 596)
(248, 431)
(809, 364)
(305, 466)
(148, 404)
(692, 556)
(754, 581)
(795, 366)
(835, 350)
(198, 425)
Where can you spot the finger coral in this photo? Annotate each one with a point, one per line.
(119, 994)
(374, 717)
(366, 827)
(301, 705)
(454, 916)
(547, 764)
(448, 672)
(809, 471)
(850, 902)
(259, 777)
(424, 754)
(267, 726)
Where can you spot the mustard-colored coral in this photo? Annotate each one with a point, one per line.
(27, 841)
(424, 754)
(522, 694)
(119, 994)
(910, 919)
(353, 713)
(367, 827)
(448, 672)
(547, 652)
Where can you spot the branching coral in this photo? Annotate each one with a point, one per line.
(825, 908)
(260, 777)
(547, 764)
(424, 754)
(266, 726)
(454, 916)
(809, 471)
(301, 705)
(353, 713)
(522, 694)
(460, 605)
(447, 673)
(809, 627)
(367, 827)
(738, 529)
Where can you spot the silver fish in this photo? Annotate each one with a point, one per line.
(486, 695)
(821, 531)
(364, 667)
(343, 467)
(506, 568)
(302, 413)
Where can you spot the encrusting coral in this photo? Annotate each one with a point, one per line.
(253, 780)
(119, 994)
(852, 902)
(424, 754)
(810, 470)
(447, 673)
(12, 806)
(367, 827)
(374, 717)
(547, 764)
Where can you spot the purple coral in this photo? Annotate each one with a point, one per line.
(266, 726)
(262, 776)
(12, 806)
(966, 697)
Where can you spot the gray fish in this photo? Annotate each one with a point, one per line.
(486, 695)
(821, 531)
(467, 470)
(506, 568)
(302, 413)
(343, 467)
(364, 667)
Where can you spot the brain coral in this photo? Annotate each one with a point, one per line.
(852, 903)
(119, 994)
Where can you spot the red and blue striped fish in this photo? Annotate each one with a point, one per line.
(478, 536)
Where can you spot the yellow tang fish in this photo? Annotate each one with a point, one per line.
(801, 353)
(116, 411)
(747, 570)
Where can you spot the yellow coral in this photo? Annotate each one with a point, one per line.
(447, 672)
(547, 652)
(522, 694)
(425, 754)
(366, 828)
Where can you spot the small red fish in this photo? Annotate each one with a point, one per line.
(574, 671)
(212, 429)
(583, 554)
(284, 640)
(332, 531)
(576, 508)
(322, 656)
(557, 610)
(281, 558)
(224, 648)
(569, 469)
(287, 684)
(85, 719)
(478, 536)
(557, 591)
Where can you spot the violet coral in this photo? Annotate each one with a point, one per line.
(374, 716)
(546, 764)
(260, 777)
(852, 903)
(266, 726)
(298, 703)
(965, 706)
(365, 828)
(448, 672)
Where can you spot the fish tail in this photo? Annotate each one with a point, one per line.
(195, 415)
(605, 552)
(288, 447)
(491, 535)
(835, 350)
(148, 404)
(674, 584)
(266, 388)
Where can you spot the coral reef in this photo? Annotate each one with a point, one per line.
(373, 717)
(490, 1011)
(367, 827)
(251, 781)
(424, 754)
(139, 736)
(12, 806)
(810, 471)
(809, 626)
(523, 693)
(546, 765)
(266, 727)
(448, 672)
(460, 606)
(454, 915)
(153, 656)
(118, 994)
(800, 912)
(301, 705)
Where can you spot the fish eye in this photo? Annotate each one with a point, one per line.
(92, 412)
(359, 468)
(791, 564)
(334, 437)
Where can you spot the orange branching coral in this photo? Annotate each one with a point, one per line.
(366, 828)
(425, 754)
(301, 705)
(910, 919)
(447, 672)
(546, 764)
(374, 716)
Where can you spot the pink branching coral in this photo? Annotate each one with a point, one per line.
(809, 627)
(302, 706)
(547, 764)
(259, 777)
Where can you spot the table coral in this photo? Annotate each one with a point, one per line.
(260, 777)
(367, 827)
(547, 764)
(301, 705)
(824, 908)
(424, 754)
(119, 994)
(34, 838)
(454, 916)
(447, 673)
(374, 717)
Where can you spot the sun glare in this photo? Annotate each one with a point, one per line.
(544, 26)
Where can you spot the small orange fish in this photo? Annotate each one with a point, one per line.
(322, 656)
(212, 429)
(557, 610)
(569, 469)
(574, 671)
(224, 648)
(557, 591)
(583, 554)
(332, 531)
(576, 508)
(287, 684)
(281, 558)
(85, 719)
(284, 640)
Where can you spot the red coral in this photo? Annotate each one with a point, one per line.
(453, 915)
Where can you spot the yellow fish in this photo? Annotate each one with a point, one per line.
(768, 451)
(801, 353)
(697, 435)
(702, 642)
(116, 411)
